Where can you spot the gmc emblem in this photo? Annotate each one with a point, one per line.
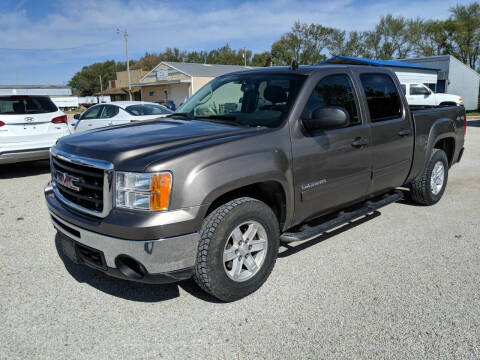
(66, 180)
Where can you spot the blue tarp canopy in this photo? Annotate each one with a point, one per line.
(374, 62)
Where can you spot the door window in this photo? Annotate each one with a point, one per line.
(109, 111)
(417, 89)
(92, 113)
(147, 109)
(382, 97)
(334, 90)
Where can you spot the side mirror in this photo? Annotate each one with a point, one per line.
(327, 117)
(77, 116)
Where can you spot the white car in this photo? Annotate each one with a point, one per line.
(29, 126)
(421, 95)
(116, 113)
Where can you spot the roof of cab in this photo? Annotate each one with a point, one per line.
(349, 60)
(301, 70)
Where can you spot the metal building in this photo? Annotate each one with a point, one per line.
(454, 77)
(45, 90)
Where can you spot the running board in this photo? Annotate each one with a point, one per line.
(311, 232)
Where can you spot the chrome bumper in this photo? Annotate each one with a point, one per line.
(157, 256)
(9, 157)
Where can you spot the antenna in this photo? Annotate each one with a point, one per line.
(294, 65)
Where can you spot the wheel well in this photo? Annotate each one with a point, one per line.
(448, 103)
(269, 192)
(447, 145)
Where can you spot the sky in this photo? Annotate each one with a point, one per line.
(48, 41)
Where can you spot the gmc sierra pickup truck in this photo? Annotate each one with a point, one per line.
(253, 159)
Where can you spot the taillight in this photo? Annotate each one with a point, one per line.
(1, 123)
(464, 125)
(60, 119)
(134, 120)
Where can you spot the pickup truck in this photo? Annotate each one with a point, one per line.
(420, 95)
(253, 159)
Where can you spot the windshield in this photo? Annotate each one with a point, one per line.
(20, 105)
(147, 109)
(246, 99)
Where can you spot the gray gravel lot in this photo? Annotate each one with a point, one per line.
(402, 284)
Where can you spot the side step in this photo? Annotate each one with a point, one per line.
(311, 232)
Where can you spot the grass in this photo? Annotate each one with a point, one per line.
(473, 113)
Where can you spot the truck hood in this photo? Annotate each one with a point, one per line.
(138, 141)
(448, 97)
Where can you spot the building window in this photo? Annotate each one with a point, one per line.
(151, 93)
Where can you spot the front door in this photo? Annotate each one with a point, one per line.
(391, 132)
(89, 119)
(331, 166)
(419, 94)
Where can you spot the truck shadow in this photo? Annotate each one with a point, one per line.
(24, 169)
(134, 291)
(129, 290)
(296, 247)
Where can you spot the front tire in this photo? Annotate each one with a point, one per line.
(429, 188)
(237, 249)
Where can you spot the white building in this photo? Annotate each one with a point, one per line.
(45, 90)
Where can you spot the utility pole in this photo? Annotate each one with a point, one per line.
(101, 85)
(245, 56)
(125, 35)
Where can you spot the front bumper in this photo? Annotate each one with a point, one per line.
(154, 261)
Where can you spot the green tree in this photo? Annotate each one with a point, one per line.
(436, 38)
(87, 81)
(304, 43)
(466, 22)
(262, 59)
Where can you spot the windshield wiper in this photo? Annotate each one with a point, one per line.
(230, 119)
(184, 114)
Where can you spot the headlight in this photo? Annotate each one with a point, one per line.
(143, 191)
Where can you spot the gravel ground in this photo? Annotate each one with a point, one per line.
(402, 284)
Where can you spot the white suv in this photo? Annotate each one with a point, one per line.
(29, 126)
(421, 95)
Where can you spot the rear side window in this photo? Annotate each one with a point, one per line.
(147, 109)
(109, 111)
(382, 97)
(334, 90)
(18, 105)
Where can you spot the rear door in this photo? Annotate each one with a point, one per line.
(391, 130)
(331, 166)
(110, 116)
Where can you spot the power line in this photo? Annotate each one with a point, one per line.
(57, 49)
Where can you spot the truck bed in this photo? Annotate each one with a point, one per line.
(428, 123)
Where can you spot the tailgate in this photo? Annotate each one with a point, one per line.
(28, 122)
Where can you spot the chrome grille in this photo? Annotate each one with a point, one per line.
(82, 183)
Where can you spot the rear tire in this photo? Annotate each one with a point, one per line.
(429, 188)
(237, 249)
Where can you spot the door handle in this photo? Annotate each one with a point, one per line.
(89, 124)
(360, 142)
(404, 132)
